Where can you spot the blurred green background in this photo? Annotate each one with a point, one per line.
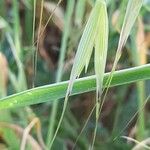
(29, 41)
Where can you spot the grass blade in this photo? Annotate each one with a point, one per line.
(56, 91)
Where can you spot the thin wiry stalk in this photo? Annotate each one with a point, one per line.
(33, 36)
(50, 17)
(38, 38)
(33, 24)
(87, 120)
(133, 117)
(139, 144)
(67, 26)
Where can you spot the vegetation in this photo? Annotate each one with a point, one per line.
(45, 43)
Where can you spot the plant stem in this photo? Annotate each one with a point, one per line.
(141, 118)
(65, 37)
(140, 90)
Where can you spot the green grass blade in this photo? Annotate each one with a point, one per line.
(56, 91)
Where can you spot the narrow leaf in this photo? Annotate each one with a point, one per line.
(49, 93)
